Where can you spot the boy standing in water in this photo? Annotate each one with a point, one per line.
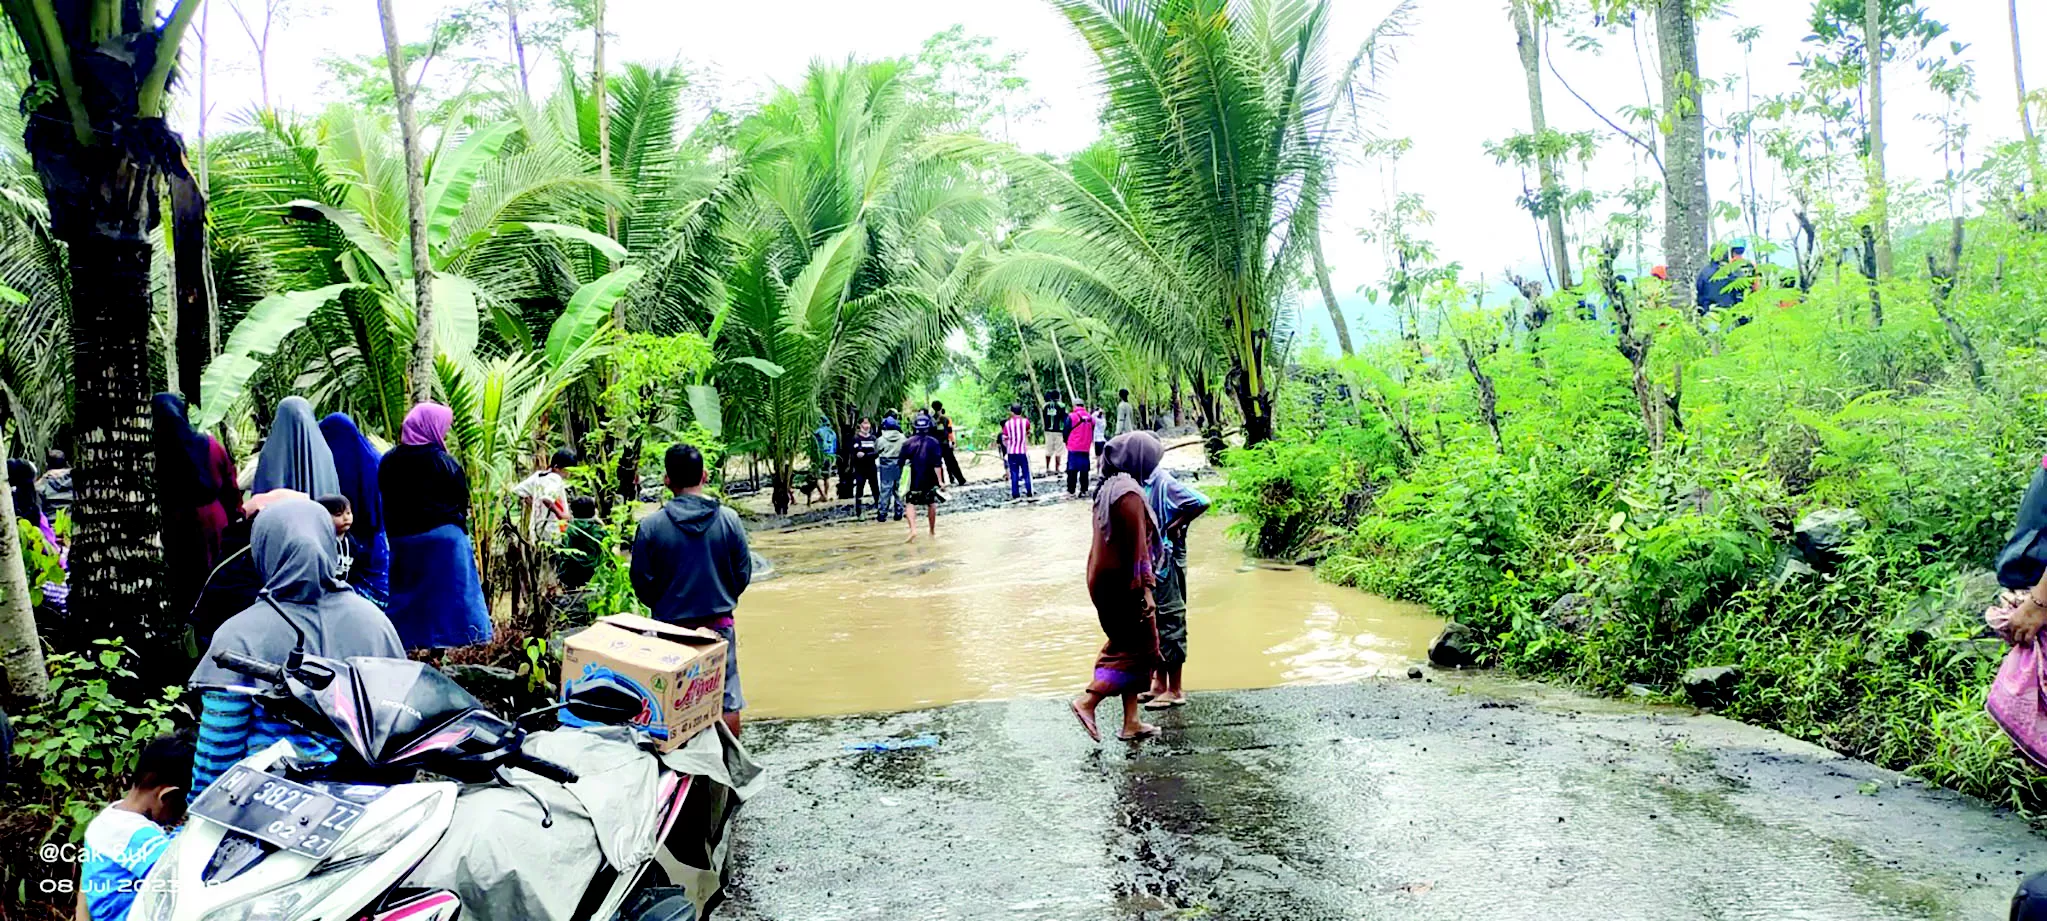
(1016, 448)
(1174, 505)
(1080, 439)
(866, 467)
(946, 438)
(926, 458)
(1055, 433)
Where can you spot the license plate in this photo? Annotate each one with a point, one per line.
(290, 815)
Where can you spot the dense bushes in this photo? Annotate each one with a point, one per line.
(1580, 554)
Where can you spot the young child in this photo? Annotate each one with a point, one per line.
(124, 841)
(344, 519)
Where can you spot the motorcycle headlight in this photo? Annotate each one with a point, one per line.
(286, 903)
(158, 899)
(289, 903)
(383, 836)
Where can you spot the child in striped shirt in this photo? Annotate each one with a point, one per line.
(124, 841)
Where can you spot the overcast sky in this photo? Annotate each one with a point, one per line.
(1458, 84)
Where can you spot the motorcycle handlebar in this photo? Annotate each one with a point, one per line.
(252, 667)
(542, 767)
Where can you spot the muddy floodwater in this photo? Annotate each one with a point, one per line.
(856, 621)
(922, 765)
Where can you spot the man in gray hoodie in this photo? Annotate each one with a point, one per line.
(691, 562)
(888, 448)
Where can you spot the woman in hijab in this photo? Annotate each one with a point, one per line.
(355, 463)
(28, 504)
(295, 456)
(296, 554)
(436, 595)
(197, 495)
(1120, 580)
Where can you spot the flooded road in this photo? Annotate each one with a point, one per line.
(1345, 795)
(857, 621)
(1383, 799)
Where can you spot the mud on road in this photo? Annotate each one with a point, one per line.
(1376, 800)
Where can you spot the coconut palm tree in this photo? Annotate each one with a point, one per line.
(1060, 267)
(97, 135)
(1219, 112)
(858, 254)
(674, 191)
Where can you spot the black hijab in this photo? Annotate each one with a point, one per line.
(184, 457)
(21, 479)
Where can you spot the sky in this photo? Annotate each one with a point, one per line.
(1456, 85)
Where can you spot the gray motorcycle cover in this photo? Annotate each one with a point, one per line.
(506, 867)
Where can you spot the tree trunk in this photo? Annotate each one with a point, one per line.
(1529, 41)
(199, 129)
(1879, 188)
(518, 49)
(1211, 418)
(420, 372)
(21, 650)
(601, 92)
(1329, 291)
(1024, 349)
(782, 474)
(117, 546)
(1065, 377)
(1634, 344)
(1944, 279)
(1686, 206)
(1488, 395)
(1247, 369)
(2018, 74)
(1254, 405)
(1871, 272)
(197, 314)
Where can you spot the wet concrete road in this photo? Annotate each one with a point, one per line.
(1380, 800)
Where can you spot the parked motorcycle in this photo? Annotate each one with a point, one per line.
(277, 839)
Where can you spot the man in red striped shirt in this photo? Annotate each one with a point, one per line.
(1016, 448)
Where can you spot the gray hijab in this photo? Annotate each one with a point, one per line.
(295, 455)
(1127, 462)
(295, 551)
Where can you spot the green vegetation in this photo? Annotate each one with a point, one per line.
(1680, 557)
(1568, 457)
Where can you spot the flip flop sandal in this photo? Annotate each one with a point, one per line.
(1156, 704)
(1092, 731)
(1151, 733)
(1145, 697)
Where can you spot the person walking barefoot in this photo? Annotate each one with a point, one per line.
(1119, 582)
(925, 457)
(1174, 505)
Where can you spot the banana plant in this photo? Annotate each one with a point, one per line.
(500, 403)
(489, 252)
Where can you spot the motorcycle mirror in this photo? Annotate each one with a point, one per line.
(298, 649)
(604, 702)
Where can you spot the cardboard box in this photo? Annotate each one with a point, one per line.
(678, 672)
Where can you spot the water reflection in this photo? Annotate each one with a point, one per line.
(857, 621)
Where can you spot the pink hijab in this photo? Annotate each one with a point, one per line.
(427, 424)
